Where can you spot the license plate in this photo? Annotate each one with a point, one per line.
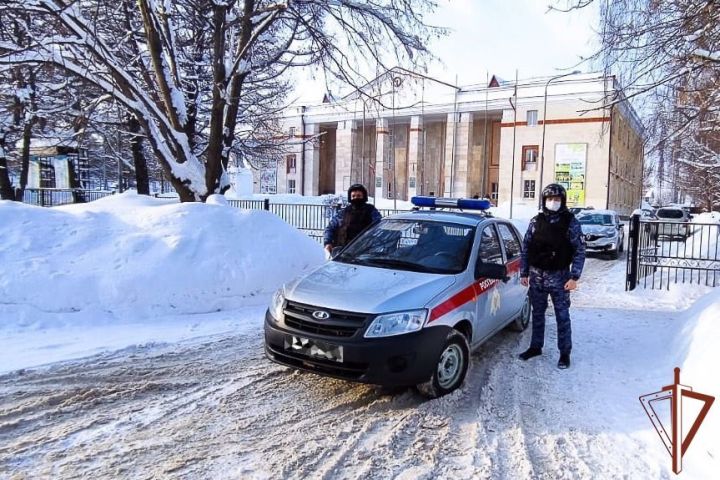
(314, 348)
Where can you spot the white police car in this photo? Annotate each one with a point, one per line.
(407, 301)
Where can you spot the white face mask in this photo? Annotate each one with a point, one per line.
(553, 205)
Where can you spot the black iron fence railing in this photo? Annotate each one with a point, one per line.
(661, 253)
(51, 197)
(310, 218)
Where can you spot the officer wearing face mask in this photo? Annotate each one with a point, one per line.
(351, 220)
(551, 264)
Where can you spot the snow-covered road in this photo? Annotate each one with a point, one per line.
(221, 410)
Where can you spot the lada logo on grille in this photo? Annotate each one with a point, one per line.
(320, 315)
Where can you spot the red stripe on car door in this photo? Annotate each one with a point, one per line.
(469, 294)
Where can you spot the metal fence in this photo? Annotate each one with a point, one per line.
(51, 197)
(309, 218)
(662, 253)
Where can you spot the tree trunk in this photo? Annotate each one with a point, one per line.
(139, 160)
(25, 161)
(6, 188)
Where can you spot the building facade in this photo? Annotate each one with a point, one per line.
(407, 135)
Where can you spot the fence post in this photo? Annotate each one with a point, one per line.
(266, 204)
(633, 253)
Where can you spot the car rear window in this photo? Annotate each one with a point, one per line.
(671, 213)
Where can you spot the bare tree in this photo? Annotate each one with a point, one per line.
(192, 71)
(667, 56)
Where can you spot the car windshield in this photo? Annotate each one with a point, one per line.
(669, 213)
(415, 245)
(595, 219)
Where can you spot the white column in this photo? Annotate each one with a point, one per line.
(345, 139)
(457, 153)
(381, 153)
(415, 152)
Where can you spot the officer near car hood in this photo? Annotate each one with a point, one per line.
(351, 220)
(552, 261)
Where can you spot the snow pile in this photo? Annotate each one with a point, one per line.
(128, 258)
(691, 345)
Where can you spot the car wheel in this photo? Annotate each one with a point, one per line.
(522, 321)
(450, 369)
(615, 254)
(622, 245)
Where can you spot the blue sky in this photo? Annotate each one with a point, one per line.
(500, 36)
(497, 37)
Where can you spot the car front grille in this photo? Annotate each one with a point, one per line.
(340, 324)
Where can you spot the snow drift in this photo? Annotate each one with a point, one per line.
(135, 257)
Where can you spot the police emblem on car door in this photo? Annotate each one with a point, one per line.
(491, 291)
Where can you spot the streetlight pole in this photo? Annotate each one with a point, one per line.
(542, 147)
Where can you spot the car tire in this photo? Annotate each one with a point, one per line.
(521, 322)
(615, 254)
(450, 369)
(622, 245)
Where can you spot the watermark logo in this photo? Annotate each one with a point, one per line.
(674, 442)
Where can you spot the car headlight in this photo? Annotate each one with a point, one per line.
(396, 323)
(276, 304)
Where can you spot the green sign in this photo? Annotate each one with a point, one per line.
(570, 163)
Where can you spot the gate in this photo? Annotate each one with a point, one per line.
(661, 253)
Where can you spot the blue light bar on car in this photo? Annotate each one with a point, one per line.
(460, 203)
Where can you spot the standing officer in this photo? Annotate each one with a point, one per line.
(351, 220)
(552, 260)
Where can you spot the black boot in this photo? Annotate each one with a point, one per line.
(564, 361)
(530, 353)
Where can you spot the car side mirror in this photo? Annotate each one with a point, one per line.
(491, 270)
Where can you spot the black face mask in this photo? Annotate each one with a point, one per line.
(356, 202)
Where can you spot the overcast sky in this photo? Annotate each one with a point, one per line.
(499, 36)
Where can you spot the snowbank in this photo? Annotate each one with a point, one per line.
(692, 346)
(133, 259)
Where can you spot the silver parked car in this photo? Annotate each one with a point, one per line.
(603, 231)
(673, 223)
(404, 303)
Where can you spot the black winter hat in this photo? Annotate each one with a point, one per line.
(357, 187)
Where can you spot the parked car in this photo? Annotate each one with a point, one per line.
(576, 210)
(406, 301)
(603, 231)
(673, 223)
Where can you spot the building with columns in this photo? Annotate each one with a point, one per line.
(405, 134)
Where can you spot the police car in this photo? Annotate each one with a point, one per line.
(406, 301)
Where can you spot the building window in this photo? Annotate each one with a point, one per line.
(290, 163)
(291, 186)
(529, 157)
(292, 131)
(532, 118)
(47, 173)
(529, 189)
(494, 191)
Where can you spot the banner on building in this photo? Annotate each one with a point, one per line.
(268, 180)
(570, 166)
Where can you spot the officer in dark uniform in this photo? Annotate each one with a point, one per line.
(351, 220)
(552, 261)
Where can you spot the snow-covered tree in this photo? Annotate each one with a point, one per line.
(196, 73)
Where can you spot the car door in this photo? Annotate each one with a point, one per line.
(489, 291)
(514, 293)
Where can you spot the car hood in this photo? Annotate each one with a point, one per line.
(357, 288)
(595, 229)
